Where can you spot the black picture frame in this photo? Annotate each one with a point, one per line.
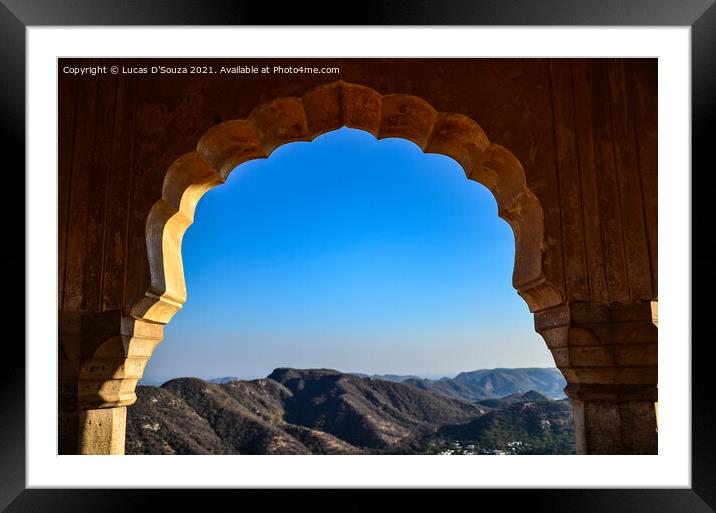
(17, 15)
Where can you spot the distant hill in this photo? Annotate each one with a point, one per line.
(495, 383)
(397, 378)
(314, 411)
(372, 414)
(224, 379)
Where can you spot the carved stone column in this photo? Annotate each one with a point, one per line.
(101, 358)
(608, 355)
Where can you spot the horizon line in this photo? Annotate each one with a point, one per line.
(251, 377)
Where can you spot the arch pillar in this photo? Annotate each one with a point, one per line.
(608, 355)
(102, 356)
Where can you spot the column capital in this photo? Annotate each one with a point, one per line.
(102, 356)
(602, 344)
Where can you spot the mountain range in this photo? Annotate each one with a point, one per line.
(490, 383)
(323, 411)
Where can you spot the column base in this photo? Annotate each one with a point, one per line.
(100, 431)
(615, 419)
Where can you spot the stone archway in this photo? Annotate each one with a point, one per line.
(326, 108)
(593, 344)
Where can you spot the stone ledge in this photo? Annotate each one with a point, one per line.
(613, 393)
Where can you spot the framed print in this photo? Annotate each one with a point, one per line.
(309, 218)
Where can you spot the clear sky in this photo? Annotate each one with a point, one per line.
(353, 254)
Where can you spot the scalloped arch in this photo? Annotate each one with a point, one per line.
(329, 107)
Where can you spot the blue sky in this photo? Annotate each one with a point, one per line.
(348, 253)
